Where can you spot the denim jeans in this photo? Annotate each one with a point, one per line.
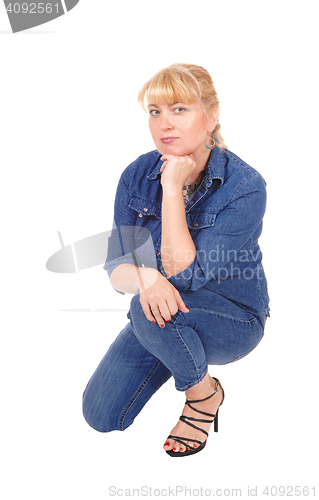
(144, 356)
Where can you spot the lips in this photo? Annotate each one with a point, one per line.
(168, 140)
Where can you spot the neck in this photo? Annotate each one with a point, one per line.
(201, 161)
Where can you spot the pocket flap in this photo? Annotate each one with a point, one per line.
(200, 220)
(145, 207)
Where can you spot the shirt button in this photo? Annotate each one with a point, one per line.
(158, 254)
(140, 215)
(195, 224)
(207, 178)
(145, 209)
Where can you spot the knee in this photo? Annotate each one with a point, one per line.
(97, 418)
(136, 315)
(136, 310)
(141, 326)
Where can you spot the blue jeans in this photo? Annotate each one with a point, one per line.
(144, 356)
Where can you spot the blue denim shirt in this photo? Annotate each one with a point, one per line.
(224, 218)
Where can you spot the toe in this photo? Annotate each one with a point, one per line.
(180, 447)
(176, 447)
(168, 444)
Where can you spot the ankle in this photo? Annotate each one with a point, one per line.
(201, 390)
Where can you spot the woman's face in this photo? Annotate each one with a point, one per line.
(180, 129)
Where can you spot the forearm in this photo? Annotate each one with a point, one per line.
(131, 279)
(177, 247)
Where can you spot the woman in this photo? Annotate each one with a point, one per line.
(200, 290)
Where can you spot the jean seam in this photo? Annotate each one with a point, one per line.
(136, 395)
(224, 315)
(191, 354)
(193, 383)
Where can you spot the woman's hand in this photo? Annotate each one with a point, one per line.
(158, 297)
(176, 170)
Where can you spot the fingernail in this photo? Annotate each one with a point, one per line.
(181, 449)
(168, 320)
(162, 326)
(174, 449)
(153, 321)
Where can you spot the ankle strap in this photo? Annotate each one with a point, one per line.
(185, 419)
(205, 399)
(200, 411)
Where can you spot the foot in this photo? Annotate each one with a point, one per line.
(200, 391)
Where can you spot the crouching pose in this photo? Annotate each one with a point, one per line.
(185, 242)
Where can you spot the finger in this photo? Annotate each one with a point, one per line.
(172, 305)
(147, 310)
(166, 157)
(165, 311)
(180, 303)
(152, 312)
(163, 167)
(158, 317)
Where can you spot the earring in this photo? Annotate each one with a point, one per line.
(213, 143)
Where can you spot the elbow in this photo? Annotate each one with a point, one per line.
(178, 261)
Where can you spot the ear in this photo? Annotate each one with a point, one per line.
(211, 124)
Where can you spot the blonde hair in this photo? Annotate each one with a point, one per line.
(186, 83)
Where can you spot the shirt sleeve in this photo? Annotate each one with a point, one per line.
(129, 243)
(238, 224)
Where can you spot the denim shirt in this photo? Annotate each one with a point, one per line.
(224, 218)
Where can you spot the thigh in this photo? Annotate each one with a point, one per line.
(124, 381)
(227, 331)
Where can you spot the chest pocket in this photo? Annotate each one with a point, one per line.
(200, 220)
(145, 208)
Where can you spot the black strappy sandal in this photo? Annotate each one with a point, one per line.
(183, 418)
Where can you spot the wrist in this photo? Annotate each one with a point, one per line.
(147, 277)
(173, 192)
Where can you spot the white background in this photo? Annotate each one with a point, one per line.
(70, 123)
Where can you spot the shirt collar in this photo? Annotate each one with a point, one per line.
(215, 167)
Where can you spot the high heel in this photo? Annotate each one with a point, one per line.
(192, 450)
(216, 421)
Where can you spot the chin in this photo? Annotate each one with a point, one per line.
(171, 150)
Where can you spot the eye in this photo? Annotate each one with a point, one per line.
(153, 112)
(179, 109)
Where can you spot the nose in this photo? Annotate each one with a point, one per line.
(166, 122)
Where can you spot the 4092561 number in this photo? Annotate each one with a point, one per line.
(32, 8)
(289, 491)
